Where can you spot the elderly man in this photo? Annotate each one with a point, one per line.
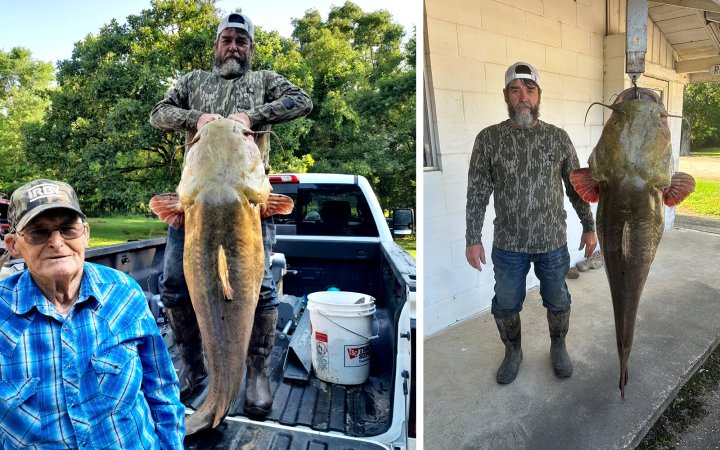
(82, 362)
(525, 162)
(256, 99)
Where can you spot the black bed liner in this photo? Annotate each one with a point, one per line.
(359, 411)
(235, 434)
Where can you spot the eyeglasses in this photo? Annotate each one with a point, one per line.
(38, 236)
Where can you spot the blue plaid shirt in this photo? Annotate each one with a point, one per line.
(99, 378)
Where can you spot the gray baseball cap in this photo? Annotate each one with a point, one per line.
(521, 70)
(34, 198)
(236, 20)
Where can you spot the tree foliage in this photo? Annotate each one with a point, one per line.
(701, 106)
(23, 84)
(96, 134)
(364, 92)
(359, 73)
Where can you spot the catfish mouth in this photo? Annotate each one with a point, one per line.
(634, 93)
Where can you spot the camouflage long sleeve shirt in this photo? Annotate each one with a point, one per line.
(265, 96)
(525, 169)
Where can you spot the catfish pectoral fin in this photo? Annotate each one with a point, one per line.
(681, 185)
(276, 204)
(584, 185)
(168, 208)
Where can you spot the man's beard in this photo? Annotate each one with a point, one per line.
(522, 117)
(233, 66)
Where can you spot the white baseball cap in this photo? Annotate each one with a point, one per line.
(236, 20)
(521, 70)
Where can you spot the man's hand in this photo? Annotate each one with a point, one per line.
(589, 241)
(241, 117)
(244, 119)
(205, 119)
(475, 255)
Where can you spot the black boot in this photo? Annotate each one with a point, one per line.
(187, 337)
(509, 329)
(258, 398)
(559, 322)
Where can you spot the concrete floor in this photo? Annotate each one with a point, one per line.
(678, 325)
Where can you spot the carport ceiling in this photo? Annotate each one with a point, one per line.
(693, 29)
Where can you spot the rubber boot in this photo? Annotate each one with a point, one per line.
(509, 328)
(187, 337)
(559, 322)
(258, 398)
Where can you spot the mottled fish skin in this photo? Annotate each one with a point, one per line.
(631, 169)
(222, 183)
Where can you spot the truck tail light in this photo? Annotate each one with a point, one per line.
(283, 178)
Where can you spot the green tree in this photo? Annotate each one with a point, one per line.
(96, 135)
(701, 106)
(364, 94)
(24, 83)
(280, 54)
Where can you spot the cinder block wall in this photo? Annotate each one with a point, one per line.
(470, 44)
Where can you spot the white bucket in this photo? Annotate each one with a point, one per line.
(341, 329)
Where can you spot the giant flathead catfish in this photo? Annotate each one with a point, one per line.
(630, 175)
(222, 192)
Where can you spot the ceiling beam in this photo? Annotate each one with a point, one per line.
(696, 65)
(704, 5)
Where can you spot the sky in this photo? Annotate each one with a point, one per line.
(50, 28)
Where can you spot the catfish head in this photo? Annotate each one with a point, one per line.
(634, 150)
(223, 160)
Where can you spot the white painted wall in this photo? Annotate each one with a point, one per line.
(470, 44)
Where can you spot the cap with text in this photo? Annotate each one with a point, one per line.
(236, 20)
(36, 197)
(521, 70)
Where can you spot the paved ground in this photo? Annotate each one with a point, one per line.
(706, 224)
(700, 167)
(677, 327)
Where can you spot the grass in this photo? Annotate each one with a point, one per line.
(116, 230)
(705, 201)
(409, 243)
(713, 152)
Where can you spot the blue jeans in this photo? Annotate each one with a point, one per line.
(173, 288)
(511, 269)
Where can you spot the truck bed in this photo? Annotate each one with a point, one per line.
(359, 411)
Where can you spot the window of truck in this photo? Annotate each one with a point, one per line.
(326, 210)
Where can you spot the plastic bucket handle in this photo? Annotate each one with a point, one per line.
(351, 331)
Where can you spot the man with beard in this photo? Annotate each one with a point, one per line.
(256, 99)
(524, 163)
